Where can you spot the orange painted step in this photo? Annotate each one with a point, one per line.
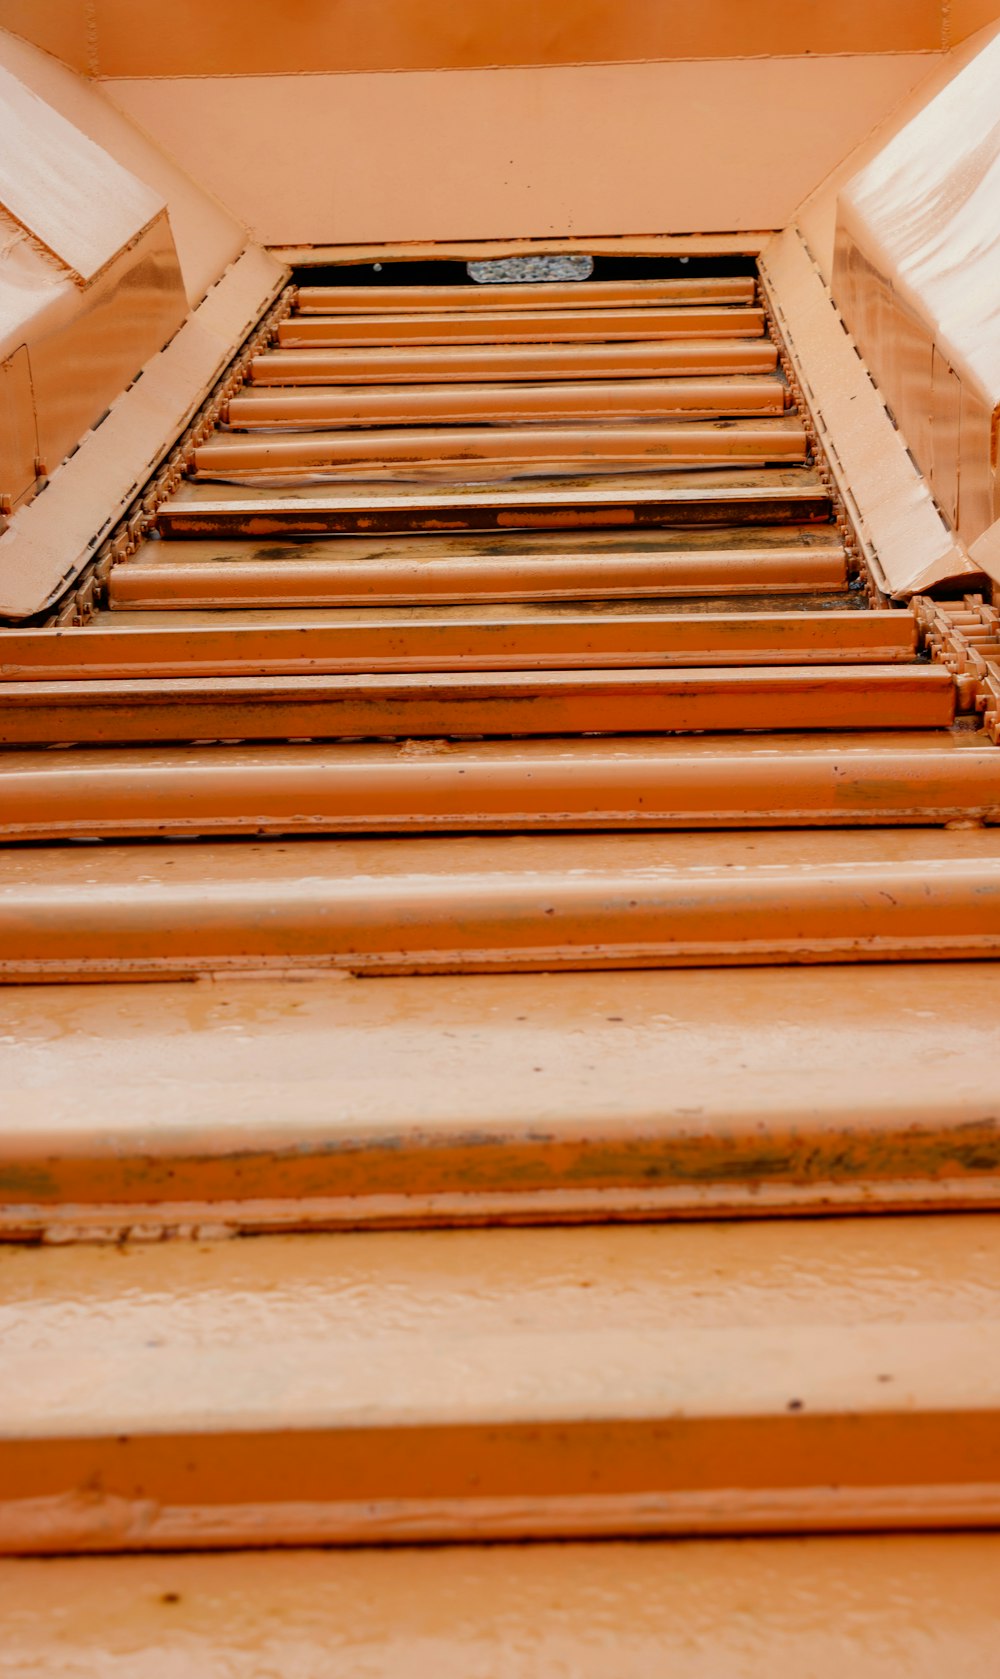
(456, 638)
(499, 903)
(381, 1388)
(337, 571)
(551, 326)
(682, 781)
(511, 1097)
(470, 451)
(439, 364)
(538, 702)
(772, 496)
(259, 407)
(544, 295)
(460, 1612)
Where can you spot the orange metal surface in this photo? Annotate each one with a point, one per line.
(906, 543)
(66, 192)
(472, 451)
(207, 237)
(780, 496)
(681, 907)
(346, 570)
(924, 1604)
(457, 638)
(104, 332)
(469, 156)
(47, 544)
(395, 405)
(450, 363)
(713, 1092)
(499, 703)
(132, 38)
(417, 905)
(696, 781)
(916, 267)
(547, 295)
(475, 250)
(388, 1387)
(557, 326)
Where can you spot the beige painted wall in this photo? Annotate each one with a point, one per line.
(597, 149)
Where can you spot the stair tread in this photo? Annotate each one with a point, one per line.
(684, 1378)
(475, 566)
(476, 452)
(550, 326)
(930, 1601)
(680, 781)
(545, 295)
(465, 638)
(265, 1103)
(406, 364)
(791, 494)
(507, 902)
(492, 404)
(502, 702)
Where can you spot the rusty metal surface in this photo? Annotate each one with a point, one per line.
(345, 570)
(527, 326)
(780, 496)
(477, 904)
(498, 703)
(699, 781)
(332, 405)
(478, 1384)
(451, 363)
